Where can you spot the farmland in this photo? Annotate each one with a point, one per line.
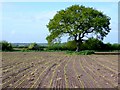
(58, 70)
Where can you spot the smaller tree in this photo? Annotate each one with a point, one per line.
(33, 46)
(55, 46)
(116, 46)
(93, 44)
(5, 46)
(108, 46)
(71, 45)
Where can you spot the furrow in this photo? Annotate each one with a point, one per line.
(32, 78)
(59, 79)
(91, 80)
(106, 62)
(65, 75)
(35, 85)
(20, 75)
(114, 71)
(53, 74)
(77, 74)
(95, 72)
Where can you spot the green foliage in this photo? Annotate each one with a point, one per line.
(78, 22)
(56, 46)
(25, 50)
(116, 46)
(5, 46)
(21, 46)
(33, 46)
(107, 47)
(111, 47)
(43, 48)
(85, 52)
(92, 44)
(71, 45)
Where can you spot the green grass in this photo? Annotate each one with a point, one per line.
(85, 52)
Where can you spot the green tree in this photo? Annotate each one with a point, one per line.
(33, 46)
(93, 44)
(71, 45)
(5, 46)
(116, 46)
(78, 22)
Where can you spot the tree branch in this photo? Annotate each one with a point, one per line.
(86, 31)
(75, 37)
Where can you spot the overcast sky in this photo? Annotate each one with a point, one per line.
(26, 21)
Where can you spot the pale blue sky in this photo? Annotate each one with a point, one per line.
(26, 21)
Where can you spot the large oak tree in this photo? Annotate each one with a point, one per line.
(78, 22)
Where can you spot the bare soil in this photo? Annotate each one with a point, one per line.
(58, 70)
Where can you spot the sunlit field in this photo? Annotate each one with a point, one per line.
(58, 70)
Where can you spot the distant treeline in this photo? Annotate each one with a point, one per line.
(90, 44)
(26, 44)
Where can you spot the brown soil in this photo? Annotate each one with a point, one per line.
(58, 70)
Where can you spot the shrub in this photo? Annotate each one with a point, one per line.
(115, 46)
(21, 46)
(25, 50)
(5, 46)
(92, 44)
(33, 46)
(43, 48)
(55, 46)
(85, 52)
(71, 45)
(107, 47)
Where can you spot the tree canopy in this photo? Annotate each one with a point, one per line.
(5, 46)
(33, 46)
(78, 22)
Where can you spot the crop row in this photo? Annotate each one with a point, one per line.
(57, 70)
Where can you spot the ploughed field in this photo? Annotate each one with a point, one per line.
(58, 70)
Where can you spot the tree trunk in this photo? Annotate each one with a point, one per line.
(78, 44)
(78, 47)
